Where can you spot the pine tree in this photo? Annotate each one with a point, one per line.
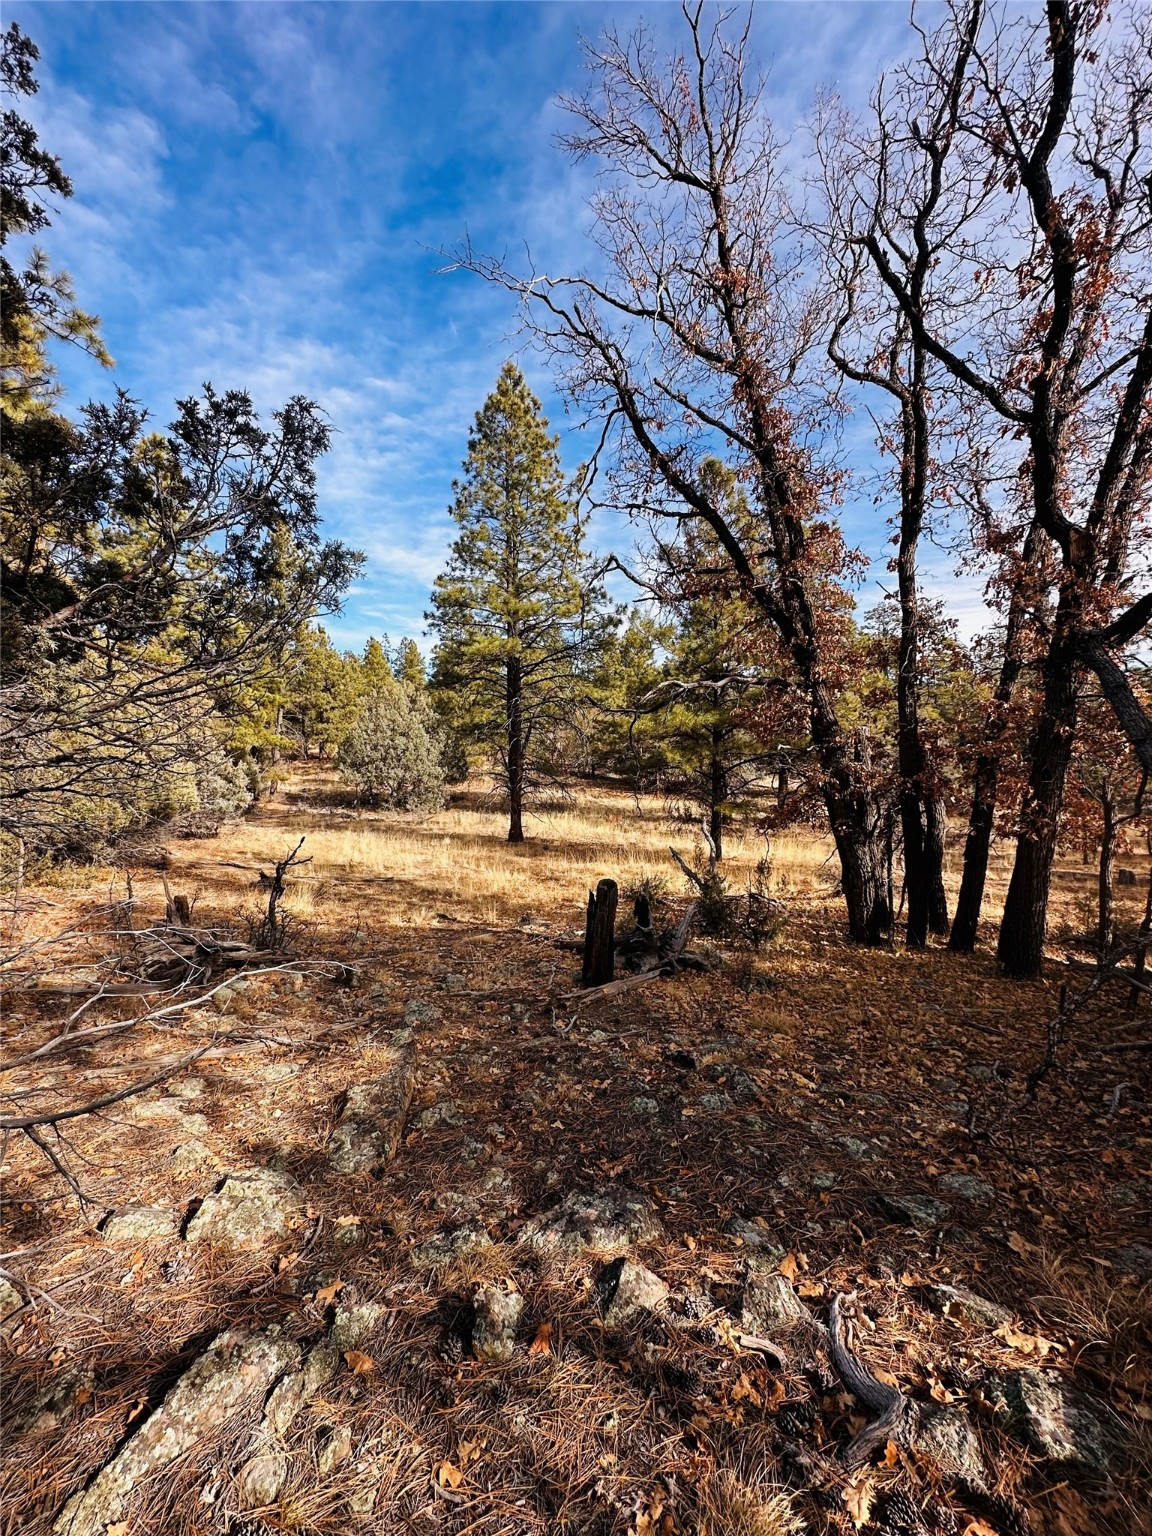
(518, 613)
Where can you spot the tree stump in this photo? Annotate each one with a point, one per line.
(600, 935)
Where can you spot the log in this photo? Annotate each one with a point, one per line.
(600, 935)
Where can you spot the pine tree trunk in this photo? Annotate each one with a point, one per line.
(514, 704)
(716, 793)
(1021, 943)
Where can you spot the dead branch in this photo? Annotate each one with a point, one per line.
(889, 1403)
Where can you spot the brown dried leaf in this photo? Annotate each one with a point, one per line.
(542, 1343)
(359, 1363)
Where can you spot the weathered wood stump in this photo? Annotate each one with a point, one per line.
(600, 935)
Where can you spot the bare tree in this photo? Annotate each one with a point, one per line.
(698, 335)
(1042, 311)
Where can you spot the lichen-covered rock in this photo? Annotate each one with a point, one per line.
(964, 1186)
(445, 1248)
(55, 1402)
(249, 1209)
(608, 1220)
(919, 1211)
(140, 1224)
(237, 1369)
(627, 1290)
(497, 1316)
(945, 1435)
(11, 1302)
(1054, 1419)
(335, 1449)
(754, 1237)
(446, 1112)
(261, 1479)
(769, 1301)
(966, 1306)
(372, 1119)
(417, 1011)
(1133, 1259)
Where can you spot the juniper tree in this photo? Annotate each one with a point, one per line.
(519, 614)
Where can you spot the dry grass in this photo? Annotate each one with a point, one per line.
(848, 1066)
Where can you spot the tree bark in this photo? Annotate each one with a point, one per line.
(717, 792)
(1021, 943)
(514, 704)
(935, 844)
(1106, 926)
(600, 935)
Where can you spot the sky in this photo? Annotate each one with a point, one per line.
(263, 193)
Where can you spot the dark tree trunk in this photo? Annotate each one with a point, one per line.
(859, 832)
(717, 792)
(986, 770)
(600, 935)
(515, 713)
(916, 885)
(935, 843)
(1022, 928)
(1106, 927)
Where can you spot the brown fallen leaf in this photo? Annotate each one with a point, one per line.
(789, 1268)
(743, 1388)
(858, 1502)
(891, 1454)
(327, 1294)
(542, 1343)
(1021, 1245)
(1026, 1343)
(980, 1528)
(447, 1474)
(359, 1363)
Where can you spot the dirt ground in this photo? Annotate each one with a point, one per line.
(790, 1100)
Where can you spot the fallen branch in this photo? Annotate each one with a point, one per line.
(889, 1403)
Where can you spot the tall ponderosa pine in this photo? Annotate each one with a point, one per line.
(518, 613)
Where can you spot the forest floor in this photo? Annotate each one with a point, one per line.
(810, 1120)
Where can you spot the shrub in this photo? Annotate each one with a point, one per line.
(393, 753)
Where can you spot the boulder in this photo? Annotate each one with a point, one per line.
(497, 1316)
(919, 1211)
(417, 1011)
(372, 1119)
(238, 1368)
(607, 1220)
(139, 1224)
(55, 1402)
(1133, 1259)
(1054, 1418)
(11, 1302)
(261, 1479)
(248, 1210)
(626, 1290)
(335, 1450)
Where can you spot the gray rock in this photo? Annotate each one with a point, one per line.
(188, 1088)
(755, 1238)
(714, 1103)
(824, 1179)
(497, 1316)
(189, 1156)
(249, 1209)
(859, 1151)
(1054, 1418)
(966, 1306)
(261, 1479)
(446, 1112)
(237, 1368)
(1130, 1193)
(445, 1248)
(11, 1302)
(417, 1011)
(965, 1187)
(1133, 1259)
(139, 1224)
(55, 1402)
(372, 1119)
(946, 1437)
(626, 1290)
(453, 983)
(643, 1106)
(919, 1211)
(981, 1071)
(335, 1450)
(769, 1300)
(607, 1220)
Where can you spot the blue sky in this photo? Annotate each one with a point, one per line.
(262, 191)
